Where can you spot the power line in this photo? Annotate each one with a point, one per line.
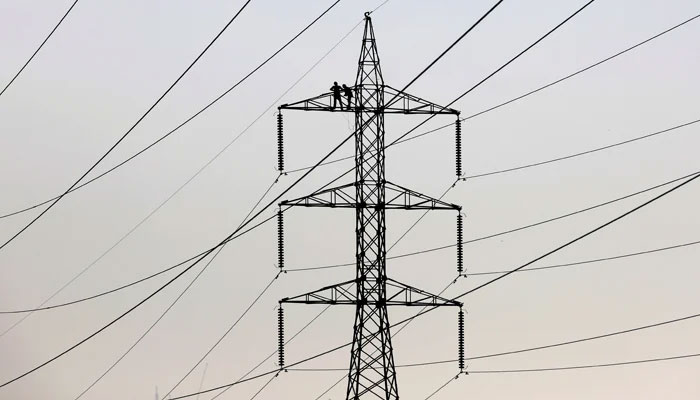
(274, 352)
(412, 81)
(444, 385)
(39, 48)
(155, 210)
(444, 126)
(522, 96)
(195, 115)
(244, 224)
(589, 338)
(512, 230)
(594, 260)
(482, 81)
(225, 334)
(216, 254)
(130, 129)
(578, 238)
(571, 75)
(574, 155)
(600, 227)
(153, 325)
(615, 364)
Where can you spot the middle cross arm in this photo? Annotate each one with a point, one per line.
(396, 198)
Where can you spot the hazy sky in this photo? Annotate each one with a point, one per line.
(109, 61)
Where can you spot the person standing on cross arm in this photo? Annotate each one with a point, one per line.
(336, 95)
(347, 91)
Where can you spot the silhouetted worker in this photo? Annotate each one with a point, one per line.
(336, 95)
(348, 93)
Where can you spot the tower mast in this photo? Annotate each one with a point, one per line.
(372, 372)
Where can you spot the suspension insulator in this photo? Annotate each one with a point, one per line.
(280, 144)
(458, 147)
(280, 240)
(280, 336)
(460, 249)
(460, 321)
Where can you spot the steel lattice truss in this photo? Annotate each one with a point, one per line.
(372, 372)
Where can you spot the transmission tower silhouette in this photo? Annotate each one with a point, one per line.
(372, 372)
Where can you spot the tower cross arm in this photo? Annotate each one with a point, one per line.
(322, 102)
(397, 294)
(400, 294)
(396, 198)
(404, 103)
(341, 293)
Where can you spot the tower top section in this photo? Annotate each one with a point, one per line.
(369, 72)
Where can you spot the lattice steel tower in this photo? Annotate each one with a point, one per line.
(371, 373)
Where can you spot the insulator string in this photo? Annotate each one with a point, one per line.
(280, 143)
(458, 147)
(460, 249)
(461, 340)
(280, 336)
(280, 240)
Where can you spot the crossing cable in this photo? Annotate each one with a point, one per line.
(499, 69)
(432, 308)
(402, 255)
(512, 230)
(230, 328)
(444, 385)
(193, 116)
(522, 96)
(39, 48)
(57, 199)
(125, 236)
(477, 357)
(235, 232)
(445, 126)
(265, 385)
(275, 352)
(216, 344)
(216, 254)
(143, 335)
(571, 75)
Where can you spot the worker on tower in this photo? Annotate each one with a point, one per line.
(336, 95)
(348, 93)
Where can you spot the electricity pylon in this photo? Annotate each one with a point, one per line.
(372, 372)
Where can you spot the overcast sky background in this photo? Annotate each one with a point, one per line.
(109, 61)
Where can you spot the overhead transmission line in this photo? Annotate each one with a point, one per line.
(155, 210)
(560, 368)
(46, 39)
(430, 131)
(615, 364)
(484, 273)
(330, 266)
(459, 97)
(522, 96)
(406, 320)
(494, 280)
(235, 233)
(182, 293)
(138, 121)
(512, 230)
(345, 140)
(186, 121)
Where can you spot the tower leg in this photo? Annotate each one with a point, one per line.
(372, 369)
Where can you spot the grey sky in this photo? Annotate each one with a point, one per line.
(111, 60)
